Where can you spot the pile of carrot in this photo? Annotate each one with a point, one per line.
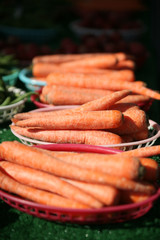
(97, 63)
(74, 79)
(78, 180)
(103, 121)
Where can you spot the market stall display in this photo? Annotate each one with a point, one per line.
(23, 217)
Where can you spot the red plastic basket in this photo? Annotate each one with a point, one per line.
(113, 214)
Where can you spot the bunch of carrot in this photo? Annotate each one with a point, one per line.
(103, 121)
(74, 79)
(78, 180)
(68, 95)
(97, 63)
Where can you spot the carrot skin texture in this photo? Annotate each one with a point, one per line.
(129, 168)
(70, 136)
(48, 182)
(25, 115)
(104, 102)
(59, 58)
(62, 95)
(10, 185)
(108, 195)
(78, 120)
(99, 61)
(143, 151)
(135, 120)
(15, 152)
(93, 81)
(41, 70)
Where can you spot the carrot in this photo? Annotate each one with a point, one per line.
(62, 95)
(104, 102)
(100, 82)
(129, 168)
(77, 120)
(43, 197)
(59, 58)
(41, 70)
(137, 98)
(151, 169)
(143, 151)
(135, 120)
(99, 92)
(70, 136)
(48, 182)
(108, 195)
(98, 61)
(127, 197)
(118, 106)
(15, 152)
(47, 113)
(124, 75)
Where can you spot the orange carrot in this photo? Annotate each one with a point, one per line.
(62, 95)
(108, 195)
(99, 82)
(98, 61)
(135, 120)
(137, 98)
(148, 151)
(59, 58)
(127, 197)
(151, 169)
(99, 92)
(47, 113)
(118, 106)
(49, 182)
(129, 168)
(15, 152)
(70, 136)
(43, 197)
(77, 120)
(104, 102)
(41, 70)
